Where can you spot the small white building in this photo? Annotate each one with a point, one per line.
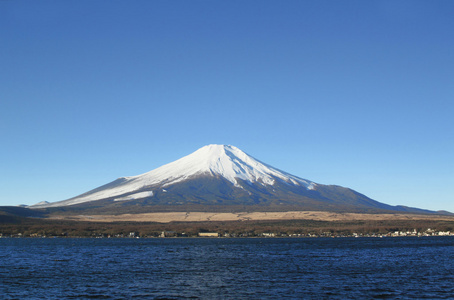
(268, 234)
(208, 234)
(444, 233)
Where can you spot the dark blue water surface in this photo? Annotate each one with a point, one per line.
(227, 268)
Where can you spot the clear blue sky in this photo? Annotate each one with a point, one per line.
(353, 93)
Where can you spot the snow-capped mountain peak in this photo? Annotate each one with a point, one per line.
(219, 160)
(224, 161)
(219, 178)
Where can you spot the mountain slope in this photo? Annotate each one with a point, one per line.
(227, 162)
(218, 176)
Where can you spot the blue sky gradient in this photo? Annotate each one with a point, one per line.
(353, 93)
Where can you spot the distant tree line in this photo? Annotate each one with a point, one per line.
(42, 227)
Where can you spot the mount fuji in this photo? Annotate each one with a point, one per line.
(218, 178)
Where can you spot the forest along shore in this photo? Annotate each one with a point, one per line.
(245, 224)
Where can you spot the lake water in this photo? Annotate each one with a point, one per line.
(227, 268)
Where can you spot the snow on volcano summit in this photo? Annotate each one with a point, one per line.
(225, 161)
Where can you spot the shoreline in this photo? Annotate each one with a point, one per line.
(229, 237)
(256, 224)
